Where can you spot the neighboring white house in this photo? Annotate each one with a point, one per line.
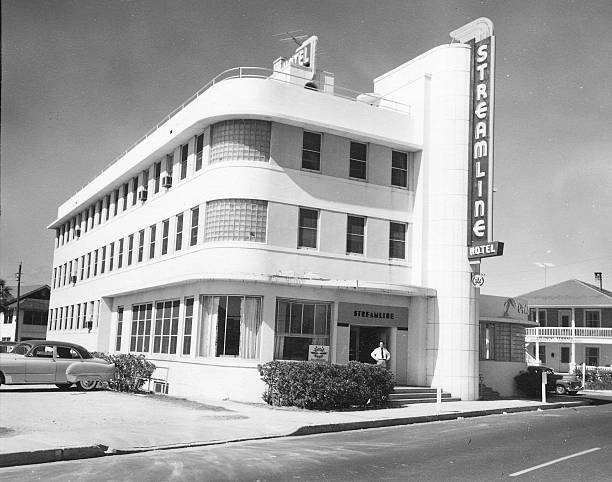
(278, 216)
(574, 321)
(32, 316)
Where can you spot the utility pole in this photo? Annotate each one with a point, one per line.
(18, 296)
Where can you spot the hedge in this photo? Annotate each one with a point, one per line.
(596, 379)
(131, 371)
(322, 386)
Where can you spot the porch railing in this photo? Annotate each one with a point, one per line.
(568, 332)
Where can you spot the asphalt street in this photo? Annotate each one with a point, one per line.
(564, 444)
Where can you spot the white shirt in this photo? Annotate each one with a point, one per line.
(381, 354)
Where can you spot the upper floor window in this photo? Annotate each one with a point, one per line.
(307, 228)
(358, 160)
(399, 169)
(179, 232)
(592, 318)
(120, 254)
(165, 231)
(236, 220)
(195, 219)
(355, 234)
(152, 231)
(311, 151)
(126, 189)
(240, 140)
(397, 240)
(111, 257)
(130, 249)
(141, 238)
(103, 260)
(199, 149)
(116, 205)
(184, 154)
(134, 190)
(169, 163)
(107, 200)
(156, 176)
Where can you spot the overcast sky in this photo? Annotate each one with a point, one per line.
(82, 80)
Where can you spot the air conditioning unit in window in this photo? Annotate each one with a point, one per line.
(167, 181)
(73, 279)
(142, 195)
(77, 231)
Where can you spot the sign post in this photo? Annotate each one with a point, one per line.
(544, 380)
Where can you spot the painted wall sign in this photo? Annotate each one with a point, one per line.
(372, 315)
(318, 353)
(479, 35)
(305, 55)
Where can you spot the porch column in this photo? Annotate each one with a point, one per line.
(537, 352)
(572, 366)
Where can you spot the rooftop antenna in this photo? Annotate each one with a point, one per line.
(296, 35)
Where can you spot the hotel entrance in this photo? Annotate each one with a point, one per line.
(364, 339)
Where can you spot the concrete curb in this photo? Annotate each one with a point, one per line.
(100, 450)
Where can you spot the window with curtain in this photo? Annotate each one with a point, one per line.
(230, 326)
(300, 324)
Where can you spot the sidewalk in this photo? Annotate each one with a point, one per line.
(42, 424)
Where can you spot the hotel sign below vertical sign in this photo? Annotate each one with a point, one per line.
(479, 35)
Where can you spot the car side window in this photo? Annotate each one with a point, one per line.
(74, 354)
(43, 351)
(63, 352)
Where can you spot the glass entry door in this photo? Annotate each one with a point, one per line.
(364, 339)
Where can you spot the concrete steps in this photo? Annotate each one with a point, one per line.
(403, 396)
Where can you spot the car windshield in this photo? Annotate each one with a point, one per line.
(21, 349)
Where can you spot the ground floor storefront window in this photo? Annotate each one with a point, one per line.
(300, 324)
(502, 342)
(230, 326)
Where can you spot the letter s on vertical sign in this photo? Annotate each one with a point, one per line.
(482, 53)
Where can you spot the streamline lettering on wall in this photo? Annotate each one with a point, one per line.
(479, 35)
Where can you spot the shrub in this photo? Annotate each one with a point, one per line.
(596, 379)
(322, 386)
(131, 371)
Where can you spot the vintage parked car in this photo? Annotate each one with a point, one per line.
(57, 362)
(530, 381)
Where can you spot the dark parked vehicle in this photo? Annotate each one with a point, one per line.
(530, 381)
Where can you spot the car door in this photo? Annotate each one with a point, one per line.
(65, 356)
(40, 365)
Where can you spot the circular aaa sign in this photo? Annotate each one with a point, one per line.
(478, 280)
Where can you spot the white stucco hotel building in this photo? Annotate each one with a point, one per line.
(275, 212)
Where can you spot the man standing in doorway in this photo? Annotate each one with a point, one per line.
(381, 355)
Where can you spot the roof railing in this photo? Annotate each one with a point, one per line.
(262, 73)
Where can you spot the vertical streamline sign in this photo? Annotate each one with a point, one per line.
(480, 207)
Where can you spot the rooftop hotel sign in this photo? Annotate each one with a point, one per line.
(479, 35)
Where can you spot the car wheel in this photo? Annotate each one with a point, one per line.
(560, 390)
(63, 386)
(88, 385)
